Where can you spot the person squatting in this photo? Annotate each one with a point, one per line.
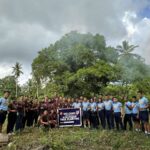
(104, 112)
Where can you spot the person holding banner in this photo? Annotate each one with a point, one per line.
(86, 112)
(53, 118)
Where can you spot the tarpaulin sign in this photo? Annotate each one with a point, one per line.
(68, 117)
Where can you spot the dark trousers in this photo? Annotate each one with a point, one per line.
(93, 119)
(109, 119)
(24, 120)
(3, 115)
(12, 116)
(30, 115)
(35, 117)
(118, 120)
(101, 114)
(127, 119)
(19, 124)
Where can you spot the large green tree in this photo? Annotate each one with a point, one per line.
(63, 64)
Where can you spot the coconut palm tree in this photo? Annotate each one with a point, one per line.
(17, 71)
(126, 50)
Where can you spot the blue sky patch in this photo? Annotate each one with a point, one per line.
(145, 12)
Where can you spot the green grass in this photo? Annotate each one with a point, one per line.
(78, 139)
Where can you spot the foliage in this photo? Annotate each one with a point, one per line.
(82, 64)
(8, 83)
(79, 138)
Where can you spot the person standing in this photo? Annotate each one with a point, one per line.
(128, 114)
(118, 113)
(93, 115)
(108, 112)
(20, 114)
(3, 108)
(86, 113)
(12, 116)
(143, 111)
(101, 112)
(135, 113)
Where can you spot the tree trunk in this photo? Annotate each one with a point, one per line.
(16, 88)
(37, 92)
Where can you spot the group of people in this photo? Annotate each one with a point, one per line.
(105, 112)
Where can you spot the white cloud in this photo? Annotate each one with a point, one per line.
(28, 26)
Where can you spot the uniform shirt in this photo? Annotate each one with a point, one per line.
(74, 104)
(93, 106)
(3, 104)
(77, 105)
(100, 106)
(85, 106)
(127, 110)
(117, 107)
(143, 102)
(135, 107)
(108, 104)
(12, 106)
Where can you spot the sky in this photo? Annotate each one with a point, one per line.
(27, 26)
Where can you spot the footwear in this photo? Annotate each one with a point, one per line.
(136, 130)
(146, 132)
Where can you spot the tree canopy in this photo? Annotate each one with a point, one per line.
(82, 64)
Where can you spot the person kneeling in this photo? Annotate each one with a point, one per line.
(44, 120)
(53, 119)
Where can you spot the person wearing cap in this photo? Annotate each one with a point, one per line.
(3, 108)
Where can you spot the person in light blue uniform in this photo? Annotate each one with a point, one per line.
(143, 111)
(108, 103)
(101, 112)
(117, 108)
(74, 103)
(86, 112)
(128, 114)
(135, 113)
(3, 108)
(77, 104)
(93, 114)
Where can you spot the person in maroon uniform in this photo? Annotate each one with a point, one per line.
(25, 110)
(36, 112)
(12, 116)
(30, 115)
(44, 120)
(53, 119)
(20, 114)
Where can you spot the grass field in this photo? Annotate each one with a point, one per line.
(78, 139)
